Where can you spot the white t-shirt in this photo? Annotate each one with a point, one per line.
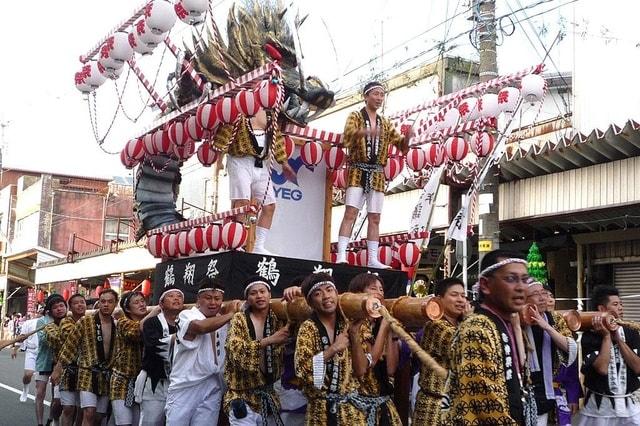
(31, 343)
(194, 360)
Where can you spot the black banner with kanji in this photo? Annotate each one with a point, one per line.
(234, 267)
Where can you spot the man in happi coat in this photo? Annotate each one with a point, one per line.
(367, 137)
(485, 384)
(329, 358)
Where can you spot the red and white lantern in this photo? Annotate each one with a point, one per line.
(154, 245)
(268, 94)
(115, 51)
(184, 248)
(362, 257)
(393, 151)
(213, 237)
(135, 149)
(184, 152)
(148, 145)
(385, 255)
(416, 159)
(127, 161)
(207, 116)
(191, 12)
(226, 110)
(289, 146)
(488, 105)
(161, 142)
(138, 45)
(482, 143)
(89, 78)
(393, 168)
(177, 133)
(456, 148)
(145, 35)
(196, 240)
(160, 16)
(468, 109)
(532, 87)
(352, 258)
(206, 154)
(409, 254)
(334, 157)
(340, 178)
(234, 235)
(435, 154)
(194, 129)
(170, 245)
(508, 99)
(311, 153)
(247, 103)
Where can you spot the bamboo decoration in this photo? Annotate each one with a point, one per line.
(8, 342)
(414, 312)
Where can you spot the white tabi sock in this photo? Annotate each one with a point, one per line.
(343, 242)
(372, 250)
(261, 237)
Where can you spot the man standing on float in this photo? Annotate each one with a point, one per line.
(367, 136)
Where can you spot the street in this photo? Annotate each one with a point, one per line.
(12, 411)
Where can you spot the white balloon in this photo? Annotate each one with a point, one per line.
(160, 16)
(532, 87)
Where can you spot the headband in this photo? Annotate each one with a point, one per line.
(127, 299)
(489, 269)
(164, 293)
(202, 290)
(376, 86)
(318, 285)
(534, 282)
(252, 283)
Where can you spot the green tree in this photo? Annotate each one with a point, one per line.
(536, 267)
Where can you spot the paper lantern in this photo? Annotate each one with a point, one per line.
(268, 94)
(532, 87)
(289, 146)
(334, 257)
(145, 35)
(196, 240)
(145, 287)
(90, 76)
(170, 245)
(177, 132)
(106, 284)
(207, 117)
(206, 154)
(385, 255)
(393, 151)
(79, 80)
(159, 16)
(127, 161)
(138, 45)
(468, 109)
(362, 257)
(435, 154)
(40, 296)
(191, 11)
(393, 168)
(334, 157)
(340, 178)
(154, 245)
(247, 103)
(416, 159)
(448, 119)
(311, 153)
(352, 258)
(111, 74)
(508, 99)
(184, 248)
(456, 148)
(147, 144)
(482, 143)
(234, 235)
(488, 105)
(409, 254)
(65, 294)
(115, 51)
(213, 237)
(194, 128)
(161, 142)
(184, 152)
(99, 290)
(226, 110)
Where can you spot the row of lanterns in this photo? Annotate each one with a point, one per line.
(406, 254)
(145, 35)
(213, 237)
(178, 138)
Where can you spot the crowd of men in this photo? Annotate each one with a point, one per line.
(207, 365)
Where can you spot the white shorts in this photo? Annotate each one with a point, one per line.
(195, 405)
(246, 181)
(90, 399)
(355, 197)
(152, 405)
(42, 377)
(251, 419)
(30, 360)
(70, 399)
(125, 415)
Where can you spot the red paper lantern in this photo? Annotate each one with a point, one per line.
(416, 159)
(127, 161)
(268, 94)
(40, 296)
(146, 287)
(135, 149)
(194, 129)
(161, 142)
(311, 153)
(435, 154)
(247, 103)
(334, 157)
(196, 240)
(352, 258)
(213, 237)
(178, 134)
(482, 143)
(170, 245)
(206, 117)
(393, 168)
(106, 284)
(226, 110)
(340, 178)
(385, 255)
(154, 245)
(362, 257)
(289, 146)
(393, 151)
(409, 254)
(184, 248)
(206, 154)
(456, 148)
(65, 294)
(234, 235)
(99, 290)
(183, 153)
(334, 257)
(148, 145)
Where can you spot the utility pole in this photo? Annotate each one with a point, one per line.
(489, 229)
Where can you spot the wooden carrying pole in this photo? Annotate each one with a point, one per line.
(9, 342)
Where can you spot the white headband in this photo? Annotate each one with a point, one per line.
(252, 283)
(534, 282)
(377, 86)
(490, 269)
(164, 293)
(202, 290)
(318, 285)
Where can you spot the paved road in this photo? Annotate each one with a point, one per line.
(12, 411)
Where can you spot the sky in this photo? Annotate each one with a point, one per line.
(46, 121)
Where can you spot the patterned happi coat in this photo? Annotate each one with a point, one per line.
(126, 360)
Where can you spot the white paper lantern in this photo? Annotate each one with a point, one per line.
(191, 11)
(160, 16)
(488, 105)
(93, 77)
(508, 99)
(532, 87)
(112, 74)
(138, 45)
(468, 109)
(451, 118)
(146, 35)
(115, 51)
